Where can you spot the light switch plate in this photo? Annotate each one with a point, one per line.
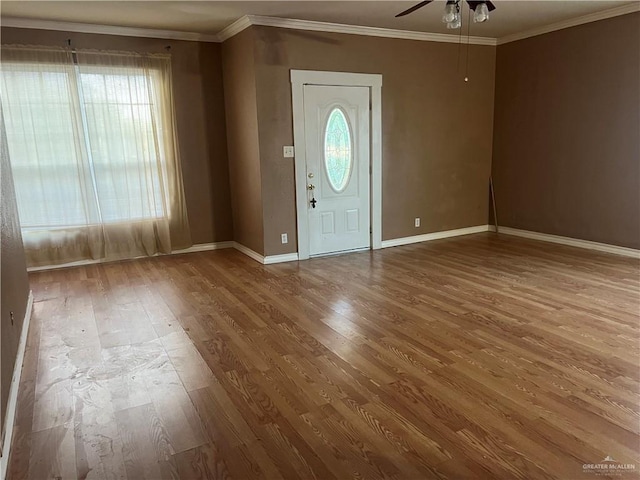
(288, 151)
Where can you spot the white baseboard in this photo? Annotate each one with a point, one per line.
(12, 402)
(201, 247)
(205, 247)
(573, 242)
(434, 236)
(268, 260)
(248, 252)
(79, 263)
(286, 257)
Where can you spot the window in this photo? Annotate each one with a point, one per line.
(338, 159)
(111, 113)
(126, 165)
(38, 108)
(91, 139)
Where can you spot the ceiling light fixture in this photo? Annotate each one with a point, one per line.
(453, 19)
(481, 13)
(451, 15)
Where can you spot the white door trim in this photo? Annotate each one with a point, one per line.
(299, 78)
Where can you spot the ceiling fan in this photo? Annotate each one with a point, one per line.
(451, 15)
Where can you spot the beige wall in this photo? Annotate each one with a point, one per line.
(199, 102)
(14, 284)
(437, 129)
(566, 125)
(567, 132)
(242, 139)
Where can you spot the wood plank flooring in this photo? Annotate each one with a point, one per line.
(476, 357)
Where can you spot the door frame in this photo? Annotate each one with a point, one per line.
(300, 78)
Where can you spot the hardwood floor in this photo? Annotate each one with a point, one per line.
(476, 357)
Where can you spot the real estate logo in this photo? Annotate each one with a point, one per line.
(609, 467)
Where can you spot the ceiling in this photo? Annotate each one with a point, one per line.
(210, 17)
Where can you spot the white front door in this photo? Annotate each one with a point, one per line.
(336, 123)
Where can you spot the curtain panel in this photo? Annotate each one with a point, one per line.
(94, 153)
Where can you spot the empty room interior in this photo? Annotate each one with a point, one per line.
(320, 240)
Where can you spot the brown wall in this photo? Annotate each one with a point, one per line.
(199, 103)
(14, 284)
(242, 139)
(567, 132)
(437, 129)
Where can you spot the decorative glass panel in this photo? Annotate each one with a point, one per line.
(338, 158)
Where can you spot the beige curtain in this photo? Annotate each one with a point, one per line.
(93, 148)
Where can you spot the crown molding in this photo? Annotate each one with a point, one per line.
(366, 31)
(248, 20)
(234, 29)
(105, 29)
(572, 22)
(240, 25)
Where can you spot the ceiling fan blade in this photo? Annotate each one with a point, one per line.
(414, 8)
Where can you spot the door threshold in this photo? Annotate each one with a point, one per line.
(340, 252)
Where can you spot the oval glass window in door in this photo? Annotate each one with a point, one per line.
(338, 157)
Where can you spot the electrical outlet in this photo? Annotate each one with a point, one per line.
(284, 238)
(416, 222)
(288, 152)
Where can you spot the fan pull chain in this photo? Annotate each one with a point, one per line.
(466, 66)
(459, 49)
